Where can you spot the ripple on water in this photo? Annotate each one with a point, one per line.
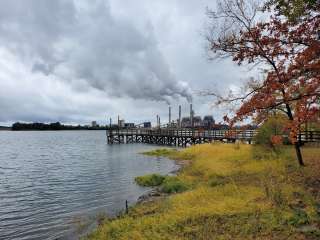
(49, 180)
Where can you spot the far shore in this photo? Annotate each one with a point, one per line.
(5, 128)
(51, 130)
(45, 130)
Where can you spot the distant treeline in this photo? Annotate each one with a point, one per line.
(4, 128)
(51, 126)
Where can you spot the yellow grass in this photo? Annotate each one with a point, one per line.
(233, 196)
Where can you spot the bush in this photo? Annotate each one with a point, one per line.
(173, 185)
(151, 180)
(271, 130)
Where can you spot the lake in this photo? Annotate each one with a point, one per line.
(53, 182)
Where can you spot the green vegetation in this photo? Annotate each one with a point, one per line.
(151, 180)
(168, 184)
(232, 194)
(173, 185)
(273, 126)
(163, 152)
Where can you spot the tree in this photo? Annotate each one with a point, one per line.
(294, 10)
(289, 53)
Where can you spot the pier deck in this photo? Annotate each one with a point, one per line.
(183, 137)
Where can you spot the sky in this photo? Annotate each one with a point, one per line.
(77, 61)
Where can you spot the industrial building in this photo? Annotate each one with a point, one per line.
(190, 121)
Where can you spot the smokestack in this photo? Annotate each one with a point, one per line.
(179, 124)
(169, 115)
(191, 115)
(118, 121)
(157, 121)
(110, 122)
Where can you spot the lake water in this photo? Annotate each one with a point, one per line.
(52, 181)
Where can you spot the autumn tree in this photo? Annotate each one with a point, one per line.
(293, 10)
(287, 51)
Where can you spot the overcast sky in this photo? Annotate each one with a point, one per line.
(79, 61)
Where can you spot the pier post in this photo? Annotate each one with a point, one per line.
(127, 208)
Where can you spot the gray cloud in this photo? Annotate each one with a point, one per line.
(83, 60)
(82, 41)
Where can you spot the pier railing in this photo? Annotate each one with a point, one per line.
(186, 132)
(309, 136)
(185, 136)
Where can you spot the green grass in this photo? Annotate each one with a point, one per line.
(163, 152)
(168, 184)
(173, 185)
(151, 180)
(233, 192)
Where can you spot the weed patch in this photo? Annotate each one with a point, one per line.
(163, 152)
(173, 185)
(151, 180)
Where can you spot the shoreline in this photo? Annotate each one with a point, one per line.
(229, 197)
(5, 129)
(154, 194)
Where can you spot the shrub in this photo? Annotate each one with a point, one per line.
(151, 180)
(271, 132)
(173, 185)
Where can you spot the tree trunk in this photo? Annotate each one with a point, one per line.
(298, 153)
(296, 144)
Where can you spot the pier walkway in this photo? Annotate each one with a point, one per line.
(183, 137)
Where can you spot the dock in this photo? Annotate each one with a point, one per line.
(186, 137)
(188, 131)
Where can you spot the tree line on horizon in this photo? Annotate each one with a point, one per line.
(52, 127)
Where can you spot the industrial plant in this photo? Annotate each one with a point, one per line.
(190, 121)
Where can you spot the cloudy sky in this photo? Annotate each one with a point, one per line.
(76, 61)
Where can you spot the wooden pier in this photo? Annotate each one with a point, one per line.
(177, 137)
(185, 137)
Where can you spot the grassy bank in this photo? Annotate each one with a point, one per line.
(234, 192)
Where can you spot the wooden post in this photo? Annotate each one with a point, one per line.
(127, 208)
